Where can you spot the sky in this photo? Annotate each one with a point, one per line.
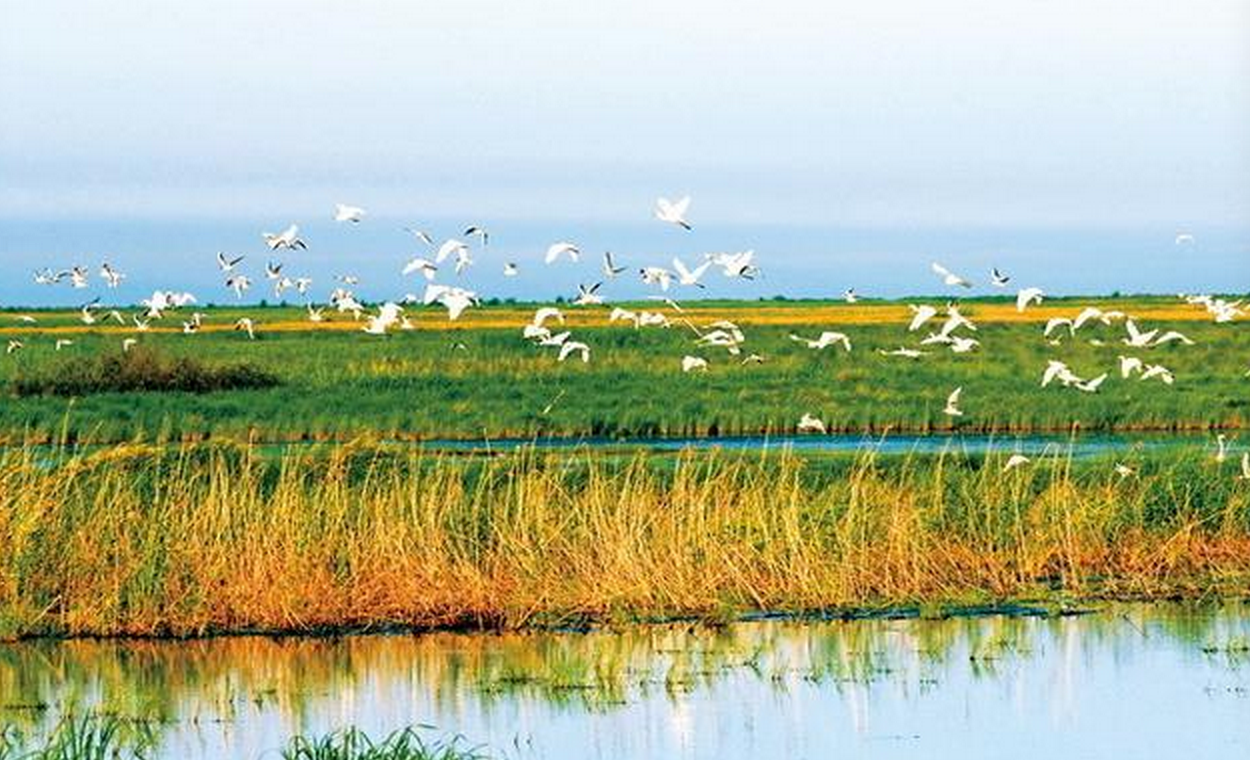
(832, 134)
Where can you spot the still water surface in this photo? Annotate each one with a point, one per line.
(1125, 681)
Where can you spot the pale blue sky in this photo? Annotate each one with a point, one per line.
(952, 111)
(945, 114)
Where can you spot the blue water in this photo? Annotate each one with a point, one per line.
(797, 261)
(893, 444)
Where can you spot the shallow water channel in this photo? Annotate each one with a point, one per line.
(1128, 681)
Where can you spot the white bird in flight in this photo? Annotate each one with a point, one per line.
(610, 269)
(288, 238)
(557, 250)
(345, 213)
(949, 277)
(1028, 296)
(687, 276)
(673, 212)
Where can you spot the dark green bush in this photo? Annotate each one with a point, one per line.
(139, 370)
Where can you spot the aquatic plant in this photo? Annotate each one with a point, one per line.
(199, 539)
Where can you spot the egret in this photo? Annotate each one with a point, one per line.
(657, 276)
(450, 247)
(557, 250)
(810, 424)
(1014, 461)
(687, 276)
(288, 238)
(610, 269)
(1136, 338)
(112, 277)
(476, 231)
(1028, 296)
(345, 213)
(692, 363)
(427, 268)
(227, 265)
(998, 279)
(572, 346)
(826, 339)
(949, 277)
(673, 212)
(952, 409)
(588, 295)
(921, 313)
(246, 324)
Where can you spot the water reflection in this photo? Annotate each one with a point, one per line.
(1135, 680)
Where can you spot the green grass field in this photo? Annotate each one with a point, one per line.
(478, 378)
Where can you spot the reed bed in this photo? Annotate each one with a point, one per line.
(193, 540)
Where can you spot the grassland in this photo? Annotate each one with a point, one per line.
(142, 540)
(477, 378)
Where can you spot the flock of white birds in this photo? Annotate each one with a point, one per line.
(954, 331)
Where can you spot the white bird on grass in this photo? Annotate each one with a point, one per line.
(952, 409)
(1014, 461)
(63, 343)
(248, 326)
(1170, 336)
(1156, 370)
(1221, 448)
(811, 424)
(1129, 365)
(572, 346)
(692, 363)
(826, 339)
(904, 352)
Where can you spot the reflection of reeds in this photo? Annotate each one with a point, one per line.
(166, 684)
(201, 539)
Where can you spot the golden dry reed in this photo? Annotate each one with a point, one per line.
(196, 540)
